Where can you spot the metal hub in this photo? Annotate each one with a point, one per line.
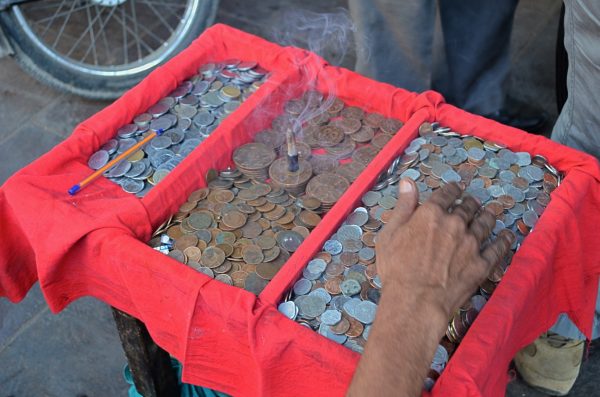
(108, 3)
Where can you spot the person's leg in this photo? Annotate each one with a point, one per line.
(394, 41)
(578, 124)
(477, 39)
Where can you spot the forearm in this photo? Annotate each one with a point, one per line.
(401, 345)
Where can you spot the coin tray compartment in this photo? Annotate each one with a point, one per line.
(505, 291)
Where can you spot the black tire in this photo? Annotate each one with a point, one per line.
(69, 78)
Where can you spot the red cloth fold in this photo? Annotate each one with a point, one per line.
(228, 339)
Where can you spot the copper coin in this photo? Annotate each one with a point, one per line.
(309, 218)
(326, 256)
(368, 239)
(364, 135)
(333, 286)
(390, 126)
(303, 231)
(329, 135)
(223, 267)
(193, 253)
(495, 207)
(187, 206)
(212, 257)
(309, 203)
(350, 171)
(254, 156)
(328, 187)
(251, 229)
(373, 120)
(254, 283)
(199, 195)
(226, 248)
(174, 232)
(185, 241)
(334, 269)
(279, 173)
(265, 242)
(234, 219)
(267, 270)
(380, 140)
(252, 254)
(353, 112)
(507, 201)
(349, 258)
(341, 328)
(271, 254)
(365, 154)
(356, 328)
(349, 126)
(239, 278)
(223, 196)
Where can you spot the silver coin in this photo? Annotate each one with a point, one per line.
(119, 170)
(350, 287)
(98, 159)
(311, 306)
(530, 218)
(161, 142)
(332, 247)
(331, 317)
(322, 294)
(136, 169)
(302, 286)
(127, 131)
(316, 266)
(133, 186)
(111, 146)
(288, 309)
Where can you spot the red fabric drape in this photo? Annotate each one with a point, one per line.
(93, 243)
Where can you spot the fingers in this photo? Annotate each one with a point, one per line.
(467, 209)
(494, 253)
(482, 225)
(445, 196)
(408, 197)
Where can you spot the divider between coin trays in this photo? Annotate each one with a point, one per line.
(288, 275)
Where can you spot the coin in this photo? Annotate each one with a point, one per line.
(98, 159)
(173, 115)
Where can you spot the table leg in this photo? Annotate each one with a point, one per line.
(150, 365)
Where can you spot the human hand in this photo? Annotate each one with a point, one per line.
(433, 252)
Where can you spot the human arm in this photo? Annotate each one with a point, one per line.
(430, 261)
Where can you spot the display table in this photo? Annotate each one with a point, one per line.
(94, 243)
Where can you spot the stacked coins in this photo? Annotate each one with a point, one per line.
(334, 142)
(188, 115)
(340, 288)
(238, 230)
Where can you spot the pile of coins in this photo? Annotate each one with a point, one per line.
(243, 227)
(340, 288)
(335, 143)
(237, 230)
(188, 115)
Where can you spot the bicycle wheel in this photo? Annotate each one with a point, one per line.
(100, 48)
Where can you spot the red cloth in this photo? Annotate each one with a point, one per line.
(228, 339)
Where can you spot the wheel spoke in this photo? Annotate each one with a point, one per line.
(52, 20)
(104, 39)
(141, 41)
(135, 29)
(102, 25)
(92, 40)
(62, 28)
(86, 31)
(125, 50)
(160, 17)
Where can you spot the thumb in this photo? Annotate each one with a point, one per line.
(408, 197)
